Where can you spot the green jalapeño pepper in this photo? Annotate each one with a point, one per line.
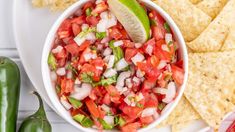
(38, 121)
(9, 94)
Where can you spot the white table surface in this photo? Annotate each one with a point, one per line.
(28, 103)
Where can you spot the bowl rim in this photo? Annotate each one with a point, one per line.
(48, 85)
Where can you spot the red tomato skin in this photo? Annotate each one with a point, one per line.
(132, 112)
(129, 53)
(115, 33)
(79, 20)
(158, 32)
(106, 99)
(76, 29)
(92, 20)
(177, 74)
(88, 5)
(65, 29)
(146, 120)
(67, 86)
(92, 108)
(132, 127)
(72, 48)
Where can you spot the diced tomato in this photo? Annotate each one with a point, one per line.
(178, 75)
(72, 48)
(124, 34)
(129, 53)
(107, 99)
(150, 100)
(86, 68)
(85, 51)
(162, 55)
(101, 112)
(231, 127)
(158, 32)
(146, 120)
(101, 7)
(76, 29)
(67, 85)
(92, 107)
(92, 20)
(179, 63)
(98, 62)
(132, 112)
(128, 44)
(79, 20)
(65, 29)
(153, 15)
(88, 5)
(114, 94)
(84, 45)
(153, 61)
(77, 111)
(132, 127)
(115, 33)
(112, 90)
(148, 84)
(61, 55)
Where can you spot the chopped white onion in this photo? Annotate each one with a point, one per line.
(77, 81)
(79, 40)
(128, 83)
(107, 51)
(127, 99)
(84, 27)
(139, 73)
(149, 49)
(156, 115)
(139, 97)
(99, 67)
(162, 64)
(110, 72)
(109, 120)
(105, 108)
(91, 36)
(83, 92)
(98, 1)
(106, 59)
(118, 43)
(138, 45)
(171, 92)
(105, 40)
(112, 20)
(53, 76)
(168, 38)
(160, 90)
(99, 47)
(121, 78)
(165, 48)
(69, 74)
(101, 26)
(88, 56)
(57, 49)
(136, 80)
(137, 58)
(111, 61)
(121, 64)
(148, 112)
(61, 71)
(65, 103)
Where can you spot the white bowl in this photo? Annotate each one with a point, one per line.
(51, 90)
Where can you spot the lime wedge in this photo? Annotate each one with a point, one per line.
(133, 17)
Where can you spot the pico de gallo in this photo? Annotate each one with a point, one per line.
(107, 81)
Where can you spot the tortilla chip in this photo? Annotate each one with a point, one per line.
(191, 20)
(213, 37)
(54, 5)
(179, 126)
(212, 7)
(177, 116)
(229, 43)
(211, 84)
(195, 1)
(189, 50)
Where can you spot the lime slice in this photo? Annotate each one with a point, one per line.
(133, 17)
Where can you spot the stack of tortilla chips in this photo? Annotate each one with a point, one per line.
(208, 27)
